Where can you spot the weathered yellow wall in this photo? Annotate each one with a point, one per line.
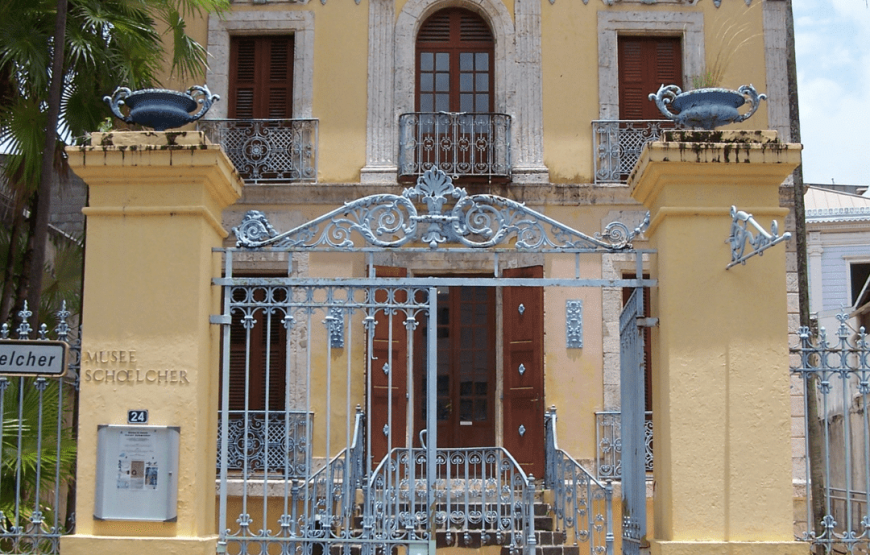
(153, 218)
(721, 403)
(569, 46)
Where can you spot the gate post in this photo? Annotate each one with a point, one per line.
(153, 217)
(721, 409)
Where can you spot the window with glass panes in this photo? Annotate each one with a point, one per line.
(455, 63)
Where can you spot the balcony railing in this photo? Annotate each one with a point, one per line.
(618, 144)
(460, 144)
(274, 443)
(268, 150)
(608, 438)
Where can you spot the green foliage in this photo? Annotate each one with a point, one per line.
(29, 453)
(108, 43)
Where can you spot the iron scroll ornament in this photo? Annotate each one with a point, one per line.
(706, 108)
(161, 109)
(476, 221)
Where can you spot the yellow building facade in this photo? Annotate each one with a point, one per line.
(533, 111)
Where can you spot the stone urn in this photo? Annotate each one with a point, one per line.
(706, 108)
(161, 109)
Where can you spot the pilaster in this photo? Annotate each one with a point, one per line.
(720, 364)
(382, 120)
(153, 218)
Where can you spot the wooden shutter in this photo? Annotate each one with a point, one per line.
(261, 77)
(260, 345)
(383, 392)
(646, 63)
(524, 371)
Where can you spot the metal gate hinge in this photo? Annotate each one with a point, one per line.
(647, 322)
(220, 319)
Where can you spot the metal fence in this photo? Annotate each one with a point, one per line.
(460, 144)
(835, 372)
(37, 447)
(583, 506)
(267, 441)
(618, 144)
(608, 438)
(268, 150)
(482, 497)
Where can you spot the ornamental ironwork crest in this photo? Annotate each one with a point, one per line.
(432, 213)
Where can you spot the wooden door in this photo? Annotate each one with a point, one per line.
(465, 405)
(523, 371)
(389, 379)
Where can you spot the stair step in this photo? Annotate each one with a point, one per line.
(550, 550)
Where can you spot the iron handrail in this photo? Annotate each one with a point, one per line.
(471, 496)
(576, 495)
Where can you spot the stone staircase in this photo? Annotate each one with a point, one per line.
(481, 537)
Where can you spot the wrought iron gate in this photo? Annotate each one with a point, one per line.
(633, 424)
(295, 453)
(37, 447)
(835, 370)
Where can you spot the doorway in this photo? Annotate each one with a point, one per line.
(466, 356)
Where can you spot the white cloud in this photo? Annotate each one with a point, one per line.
(833, 59)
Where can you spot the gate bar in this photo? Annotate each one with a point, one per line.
(431, 420)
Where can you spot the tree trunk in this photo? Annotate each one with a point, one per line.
(814, 425)
(46, 178)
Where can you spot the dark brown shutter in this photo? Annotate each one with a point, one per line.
(384, 393)
(255, 378)
(524, 371)
(261, 77)
(646, 63)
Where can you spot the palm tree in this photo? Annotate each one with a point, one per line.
(107, 43)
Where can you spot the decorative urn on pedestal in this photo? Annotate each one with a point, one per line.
(161, 109)
(706, 108)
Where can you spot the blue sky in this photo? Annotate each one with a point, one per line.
(832, 39)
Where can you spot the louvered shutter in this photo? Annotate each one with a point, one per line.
(523, 371)
(261, 77)
(647, 341)
(646, 63)
(258, 365)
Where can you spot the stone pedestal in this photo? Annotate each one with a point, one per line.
(153, 218)
(723, 473)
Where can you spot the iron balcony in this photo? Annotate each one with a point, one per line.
(458, 143)
(618, 144)
(268, 150)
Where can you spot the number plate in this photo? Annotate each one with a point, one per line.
(137, 417)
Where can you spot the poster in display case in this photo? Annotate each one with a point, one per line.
(137, 473)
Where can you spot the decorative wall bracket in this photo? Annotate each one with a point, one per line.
(741, 236)
(574, 324)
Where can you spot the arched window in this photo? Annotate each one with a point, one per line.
(455, 63)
